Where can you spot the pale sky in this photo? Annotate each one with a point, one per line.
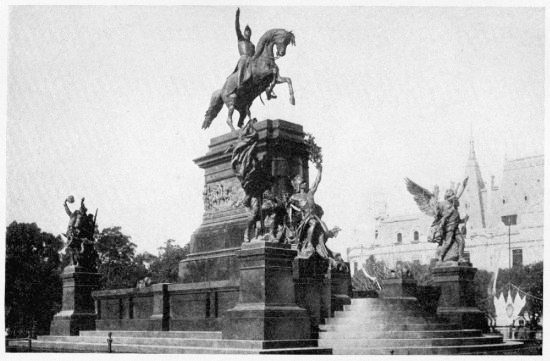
(108, 102)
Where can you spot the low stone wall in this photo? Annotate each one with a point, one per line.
(200, 306)
(163, 307)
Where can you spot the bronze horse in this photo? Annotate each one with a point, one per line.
(261, 75)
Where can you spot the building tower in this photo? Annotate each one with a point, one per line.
(474, 200)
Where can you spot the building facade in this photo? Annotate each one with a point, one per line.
(490, 244)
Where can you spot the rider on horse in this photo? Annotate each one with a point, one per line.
(246, 51)
(253, 75)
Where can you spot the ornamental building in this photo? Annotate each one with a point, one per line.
(490, 244)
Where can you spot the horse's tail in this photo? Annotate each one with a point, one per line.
(216, 104)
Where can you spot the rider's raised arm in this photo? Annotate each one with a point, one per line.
(317, 179)
(238, 26)
(67, 209)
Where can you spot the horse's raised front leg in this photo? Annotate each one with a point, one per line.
(269, 91)
(231, 109)
(281, 79)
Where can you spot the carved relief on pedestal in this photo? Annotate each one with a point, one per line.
(223, 195)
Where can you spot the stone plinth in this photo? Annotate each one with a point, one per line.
(398, 287)
(266, 309)
(340, 283)
(214, 245)
(312, 286)
(160, 319)
(457, 302)
(78, 308)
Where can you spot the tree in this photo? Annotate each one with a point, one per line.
(376, 268)
(146, 259)
(165, 268)
(117, 260)
(529, 280)
(33, 287)
(420, 272)
(483, 293)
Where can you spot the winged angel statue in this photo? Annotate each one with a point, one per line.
(445, 230)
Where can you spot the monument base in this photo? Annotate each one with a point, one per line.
(398, 287)
(78, 309)
(340, 289)
(266, 309)
(70, 324)
(276, 325)
(313, 289)
(457, 302)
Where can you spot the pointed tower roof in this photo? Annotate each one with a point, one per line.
(472, 167)
(473, 202)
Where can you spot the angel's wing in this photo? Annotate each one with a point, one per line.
(422, 197)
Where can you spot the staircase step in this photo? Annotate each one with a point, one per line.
(399, 334)
(392, 327)
(183, 342)
(211, 335)
(384, 301)
(69, 346)
(382, 314)
(434, 350)
(367, 320)
(380, 308)
(413, 342)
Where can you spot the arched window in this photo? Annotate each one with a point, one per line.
(376, 234)
(399, 238)
(415, 236)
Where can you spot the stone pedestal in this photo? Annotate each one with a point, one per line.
(457, 302)
(398, 287)
(214, 245)
(313, 289)
(340, 282)
(266, 309)
(78, 309)
(160, 319)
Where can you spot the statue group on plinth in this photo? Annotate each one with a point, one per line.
(292, 216)
(445, 229)
(80, 236)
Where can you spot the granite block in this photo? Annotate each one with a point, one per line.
(266, 309)
(457, 302)
(78, 307)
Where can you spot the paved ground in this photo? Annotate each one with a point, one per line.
(530, 348)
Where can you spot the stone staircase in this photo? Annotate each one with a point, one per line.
(399, 326)
(157, 342)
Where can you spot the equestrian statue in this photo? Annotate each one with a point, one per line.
(255, 73)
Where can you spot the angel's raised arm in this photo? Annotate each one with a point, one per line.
(464, 184)
(317, 179)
